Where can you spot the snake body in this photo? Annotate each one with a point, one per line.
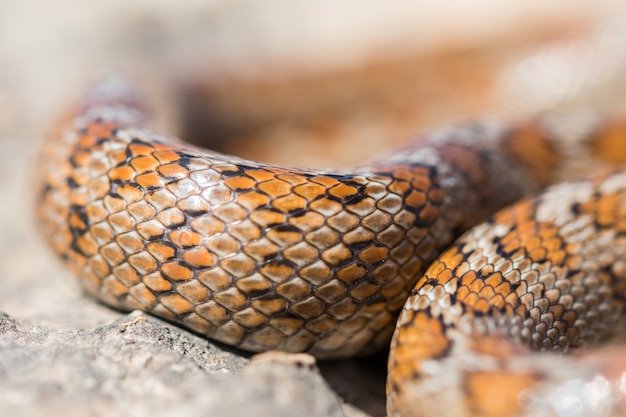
(267, 257)
(547, 274)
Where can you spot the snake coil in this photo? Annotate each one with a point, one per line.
(267, 257)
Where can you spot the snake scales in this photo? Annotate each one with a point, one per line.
(266, 257)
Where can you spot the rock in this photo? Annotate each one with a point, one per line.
(141, 366)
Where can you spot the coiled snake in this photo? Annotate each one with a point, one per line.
(266, 257)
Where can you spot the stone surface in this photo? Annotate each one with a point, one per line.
(140, 366)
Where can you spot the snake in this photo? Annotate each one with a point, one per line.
(493, 275)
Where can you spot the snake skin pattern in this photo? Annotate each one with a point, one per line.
(547, 274)
(267, 257)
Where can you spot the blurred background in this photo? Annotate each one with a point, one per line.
(324, 83)
(325, 72)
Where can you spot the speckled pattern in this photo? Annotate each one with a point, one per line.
(547, 274)
(266, 257)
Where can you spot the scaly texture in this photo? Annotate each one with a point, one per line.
(265, 257)
(547, 274)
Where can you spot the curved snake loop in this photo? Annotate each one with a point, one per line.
(267, 257)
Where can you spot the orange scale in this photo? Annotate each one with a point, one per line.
(462, 293)
(537, 254)
(194, 291)
(150, 180)
(468, 278)
(114, 287)
(260, 174)
(471, 299)
(87, 244)
(116, 157)
(185, 238)
(322, 238)
(445, 276)
(317, 274)
(605, 218)
(373, 254)
(252, 200)
(309, 190)
(176, 303)
(494, 279)
(173, 171)
(307, 222)
(411, 269)
(144, 163)
(477, 285)
(113, 254)
(238, 183)
(245, 231)
(533, 243)
(362, 208)
(462, 269)
(288, 203)
(126, 274)
(176, 271)
(351, 273)
(547, 232)
(436, 268)
(293, 290)
(501, 303)
(421, 182)
(404, 173)
(199, 258)
(140, 149)
(76, 222)
(527, 228)
(416, 199)
(131, 242)
(512, 245)
(436, 195)
(509, 237)
(343, 221)
(308, 308)
(276, 272)
(166, 155)
(87, 141)
(503, 288)
(343, 191)
(269, 306)
(482, 305)
(453, 260)
(556, 257)
(121, 173)
(399, 187)
(275, 188)
(429, 213)
(253, 284)
(293, 179)
(284, 238)
(332, 256)
(487, 292)
(553, 244)
(511, 298)
(150, 229)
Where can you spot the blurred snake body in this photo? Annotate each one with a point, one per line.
(267, 257)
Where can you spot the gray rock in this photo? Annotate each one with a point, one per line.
(141, 366)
